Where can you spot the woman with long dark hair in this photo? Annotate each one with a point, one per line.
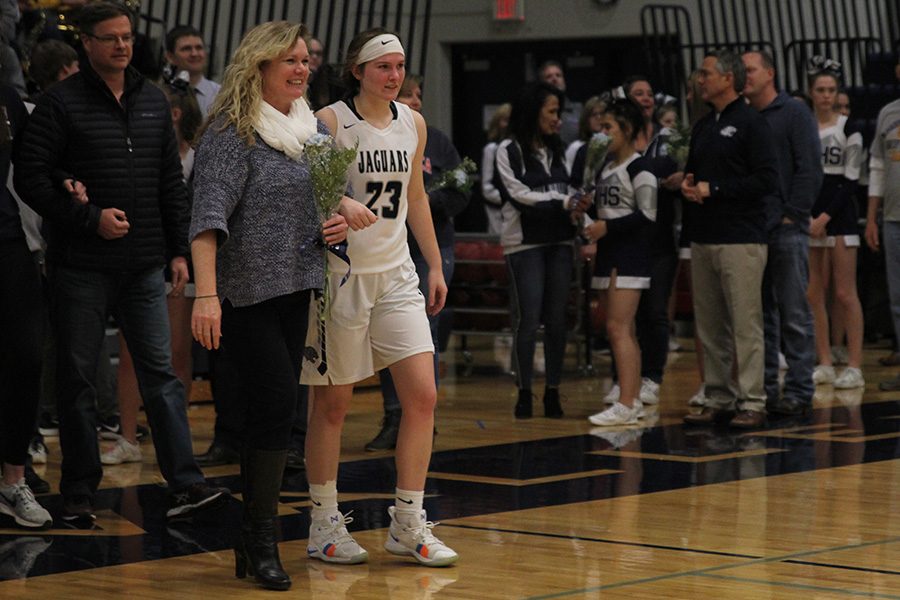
(537, 238)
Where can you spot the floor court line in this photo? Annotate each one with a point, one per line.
(710, 571)
(846, 567)
(600, 540)
(799, 586)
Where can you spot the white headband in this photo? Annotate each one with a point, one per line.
(386, 43)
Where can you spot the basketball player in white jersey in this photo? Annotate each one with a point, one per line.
(378, 317)
(834, 236)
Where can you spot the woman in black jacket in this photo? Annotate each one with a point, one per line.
(537, 238)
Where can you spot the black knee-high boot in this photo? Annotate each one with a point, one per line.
(257, 552)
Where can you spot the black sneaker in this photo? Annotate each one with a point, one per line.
(109, 428)
(142, 433)
(78, 509)
(34, 481)
(295, 460)
(198, 497)
(48, 426)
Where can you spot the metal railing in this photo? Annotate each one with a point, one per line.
(334, 22)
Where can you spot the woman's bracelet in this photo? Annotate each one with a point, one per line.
(206, 296)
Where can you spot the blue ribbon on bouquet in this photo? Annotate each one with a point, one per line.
(340, 251)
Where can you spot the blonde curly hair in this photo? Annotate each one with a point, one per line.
(238, 101)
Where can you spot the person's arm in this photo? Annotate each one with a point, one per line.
(517, 189)
(173, 207)
(206, 316)
(38, 159)
(357, 215)
(419, 220)
(489, 191)
(445, 202)
(876, 186)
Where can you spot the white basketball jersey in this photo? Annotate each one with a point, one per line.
(380, 180)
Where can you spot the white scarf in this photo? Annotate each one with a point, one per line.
(286, 132)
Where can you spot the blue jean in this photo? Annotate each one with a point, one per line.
(787, 318)
(448, 262)
(540, 281)
(81, 302)
(891, 242)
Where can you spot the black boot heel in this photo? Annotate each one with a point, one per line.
(552, 407)
(523, 408)
(240, 564)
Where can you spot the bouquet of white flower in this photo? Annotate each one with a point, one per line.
(459, 178)
(328, 170)
(678, 144)
(597, 147)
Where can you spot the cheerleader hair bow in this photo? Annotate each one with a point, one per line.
(820, 64)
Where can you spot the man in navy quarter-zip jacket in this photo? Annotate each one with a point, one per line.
(99, 161)
(788, 317)
(730, 170)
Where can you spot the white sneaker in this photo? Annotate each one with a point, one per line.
(123, 452)
(417, 540)
(17, 500)
(330, 541)
(699, 398)
(38, 452)
(649, 391)
(823, 374)
(850, 378)
(839, 355)
(618, 414)
(612, 396)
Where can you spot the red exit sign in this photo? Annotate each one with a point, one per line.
(509, 10)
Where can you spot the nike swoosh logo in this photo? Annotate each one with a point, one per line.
(405, 501)
(349, 126)
(386, 42)
(317, 503)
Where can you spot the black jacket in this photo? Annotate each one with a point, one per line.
(734, 154)
(126, 156)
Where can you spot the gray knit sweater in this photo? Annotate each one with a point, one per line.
(261, 203)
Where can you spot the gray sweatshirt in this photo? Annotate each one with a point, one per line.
(261, 203)
(884, 161)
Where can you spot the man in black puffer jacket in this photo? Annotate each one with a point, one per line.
(99, 162)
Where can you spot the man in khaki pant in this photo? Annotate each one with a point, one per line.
(730, 169)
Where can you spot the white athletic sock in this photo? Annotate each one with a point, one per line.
(324, 500)
(408, 504)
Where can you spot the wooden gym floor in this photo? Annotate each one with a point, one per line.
(804, 508)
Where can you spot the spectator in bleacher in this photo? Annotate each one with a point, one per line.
(730, 170)
(786, 313)
(834, 235)
(106, 259)
(496, 133)
(445, 202)
(884, 198)
(588, 125)
(842, 103)
(538, 239)
(51, 61)
(186, 51)
(20, 351)
(321, 77)
(551, 72)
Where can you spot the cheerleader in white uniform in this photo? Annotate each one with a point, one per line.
(377, 319)
(834, 235)
(625, 208)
